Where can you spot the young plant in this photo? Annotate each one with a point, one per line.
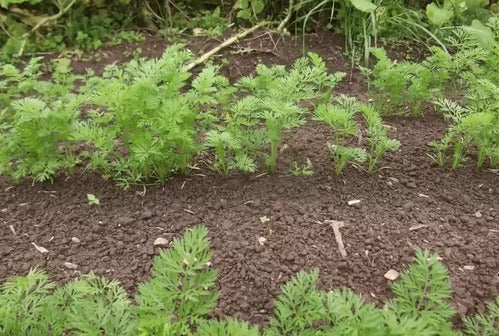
(474, 127)
(36, 138)
(377, 132)
(276, 98)
(340, 117)
(151, 124)
(423, 293)
(182, 289)
(402, 85)
(93, 200)
(483, 324)
(228, 152)
(302, 170)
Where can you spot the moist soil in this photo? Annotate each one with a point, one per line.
(409, 203)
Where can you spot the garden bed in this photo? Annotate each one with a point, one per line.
(409, 203)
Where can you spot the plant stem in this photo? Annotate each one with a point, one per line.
(223, 45)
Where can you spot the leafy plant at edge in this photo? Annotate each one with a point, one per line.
(340, 117)
(182, 292)
(377, 136)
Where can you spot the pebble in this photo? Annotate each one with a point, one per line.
(70, 265)
(125, 220)
(161, 242)
(408, 206)
(391, 275)
(75, 240)
(147, 215)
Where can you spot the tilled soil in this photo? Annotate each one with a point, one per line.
(409, 203)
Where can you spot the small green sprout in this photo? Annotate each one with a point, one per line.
(93, 200)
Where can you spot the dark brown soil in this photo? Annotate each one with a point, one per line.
(456, 212)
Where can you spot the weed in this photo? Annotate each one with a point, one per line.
(302, 170)
(93, 200)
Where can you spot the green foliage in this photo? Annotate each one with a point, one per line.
(423, 293)
(341, 118)
(150, 127)
(228, 152)
(475, 118)
(264, 107)
(302, 170)
(36, 139)
(33, 306)
(93, 200)
(249, 9)
(298, 307)
(14, 82)
(276, 96)
(456, 12)
(483, 324)
(228, 327)
(471, 129)
(397, 86)
(377, 135)
(182, 291)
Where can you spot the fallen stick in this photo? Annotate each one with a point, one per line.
(336, 225)
(224, 44)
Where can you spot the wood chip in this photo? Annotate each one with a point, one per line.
(469, 267)
(423, 195)
(417, 226)
(353, 202)
(40, 249)
(12, 230)
(261, 240)
(391, 275)
(336, 225)
(478, 214)
(75, 240)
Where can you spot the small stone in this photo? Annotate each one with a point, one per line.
(264, 219)
(70, 265)
(408, 206)
(125, 220)
(75, 240)
(391, 275)
(147, 215)
(469, 267)
(478, 214)
(161, 242)
(4, 210)
(261, 240)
